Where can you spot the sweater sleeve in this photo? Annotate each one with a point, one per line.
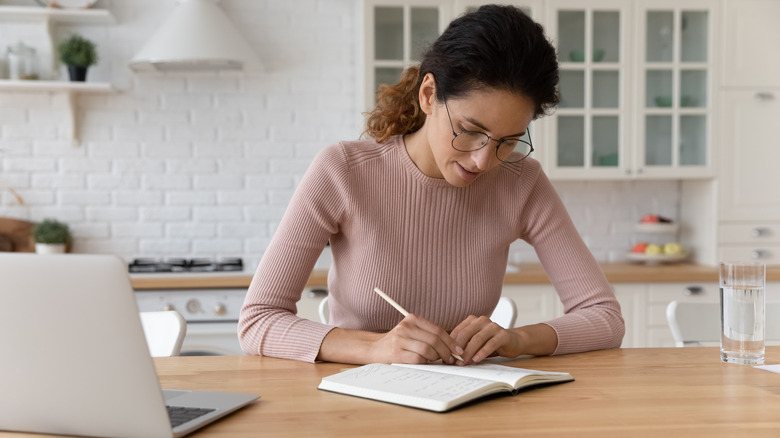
(268, 325)
(592, 318)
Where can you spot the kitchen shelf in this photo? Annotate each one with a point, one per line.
(55, 86)
(32, 13)
(69, 88)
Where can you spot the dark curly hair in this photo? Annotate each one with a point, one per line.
(496, 47)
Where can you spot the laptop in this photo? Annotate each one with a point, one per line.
(74, 357)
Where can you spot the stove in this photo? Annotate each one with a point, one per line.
(177, 265)
(211, 312)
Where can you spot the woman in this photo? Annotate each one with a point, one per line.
(426, 211)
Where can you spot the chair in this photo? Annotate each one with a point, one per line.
(698, 324)
(504, 314)
(164, 332)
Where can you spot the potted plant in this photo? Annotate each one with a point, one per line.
(51, 236)
(78, 53)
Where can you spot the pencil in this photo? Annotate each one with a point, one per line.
(402, 310)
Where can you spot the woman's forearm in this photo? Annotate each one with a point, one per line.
(347, 346)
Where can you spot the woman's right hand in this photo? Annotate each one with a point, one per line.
(415, 340)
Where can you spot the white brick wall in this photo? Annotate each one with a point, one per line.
(203, 164)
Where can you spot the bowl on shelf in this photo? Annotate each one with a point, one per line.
(666, 101)
(578, 55)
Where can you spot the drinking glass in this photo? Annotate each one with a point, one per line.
(742, 314)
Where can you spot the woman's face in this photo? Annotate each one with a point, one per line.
(497, 113)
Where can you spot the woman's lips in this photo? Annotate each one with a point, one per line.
(467, 175)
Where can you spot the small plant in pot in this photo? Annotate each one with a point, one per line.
(78, 53)
(51, 237)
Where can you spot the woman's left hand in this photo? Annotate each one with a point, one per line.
(480, 337)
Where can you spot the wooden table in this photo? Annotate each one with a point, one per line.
(627, 393)
(652, 392)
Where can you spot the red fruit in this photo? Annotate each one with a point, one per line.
(640, 247)
(650, 219)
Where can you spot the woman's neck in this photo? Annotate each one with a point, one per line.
(419, 151)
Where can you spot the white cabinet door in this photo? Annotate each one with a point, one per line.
(589, 132)
(659, 295)
(395, 34)
(750, 156)
(750, 43)
(675, 79)
(632, 305)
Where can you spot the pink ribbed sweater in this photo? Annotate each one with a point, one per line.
(439, 250)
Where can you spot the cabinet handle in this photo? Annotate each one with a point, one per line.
(318, 293)
(759, 231)
(765, 96)
(693, 290)
(759, 254)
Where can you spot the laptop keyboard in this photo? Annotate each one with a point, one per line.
(180, 415)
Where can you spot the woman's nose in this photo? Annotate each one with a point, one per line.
(484, 157)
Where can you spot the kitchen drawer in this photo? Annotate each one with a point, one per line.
(749, 233)
(768, 254)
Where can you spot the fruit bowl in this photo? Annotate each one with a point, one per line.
(657, 228)
(656, 259)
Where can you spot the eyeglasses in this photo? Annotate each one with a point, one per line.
(508, 150)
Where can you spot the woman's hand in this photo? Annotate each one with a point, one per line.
(415, 340)
(481, 337)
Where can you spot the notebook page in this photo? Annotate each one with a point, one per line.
(378, 380)
(500, 373)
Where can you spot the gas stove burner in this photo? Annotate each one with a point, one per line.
(176, 265)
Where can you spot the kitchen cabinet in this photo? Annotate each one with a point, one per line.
(43, 19)
(636, 86)
(748, 211)
(396, 33)
(636, 79)
(750, 38)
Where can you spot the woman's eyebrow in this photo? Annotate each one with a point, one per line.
(482, 127)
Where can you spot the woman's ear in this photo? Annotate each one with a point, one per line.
(427, 94)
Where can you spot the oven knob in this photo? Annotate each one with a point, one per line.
(193, 306)
(220, 309)
(168, 307)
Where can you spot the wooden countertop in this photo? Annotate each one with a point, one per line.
(531, 273)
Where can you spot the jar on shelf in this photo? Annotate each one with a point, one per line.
(22, 62)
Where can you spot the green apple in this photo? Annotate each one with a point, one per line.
(654, 249)
(673, 248)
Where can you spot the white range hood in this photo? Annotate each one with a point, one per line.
(197, 36)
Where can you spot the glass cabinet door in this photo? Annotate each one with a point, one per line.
(675, 73)
(589, 127)
(397, 34)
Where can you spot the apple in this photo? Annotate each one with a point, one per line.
(654, 249)
(673, 248)
(640, 247)
(650, 219)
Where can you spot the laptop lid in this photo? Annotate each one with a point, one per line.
(75, 360)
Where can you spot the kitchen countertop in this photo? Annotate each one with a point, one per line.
(531, 273)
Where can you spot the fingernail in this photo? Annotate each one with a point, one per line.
(458, 349)
(476, 359)
(460, 363)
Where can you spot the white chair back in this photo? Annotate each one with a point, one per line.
(504, 314)
(164, 332)
(698, 324)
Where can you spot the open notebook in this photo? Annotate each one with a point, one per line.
(75, 360)
(436, 387)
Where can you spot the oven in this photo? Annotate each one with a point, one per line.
(209, 295)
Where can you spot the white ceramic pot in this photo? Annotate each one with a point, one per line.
(50, 248)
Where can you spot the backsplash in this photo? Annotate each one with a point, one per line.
(203, 165)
